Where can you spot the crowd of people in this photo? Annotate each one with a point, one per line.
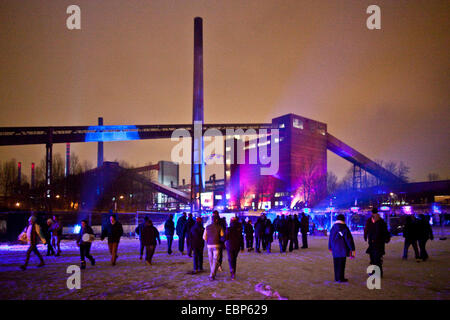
(241, 234)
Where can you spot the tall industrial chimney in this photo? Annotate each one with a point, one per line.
(33, 177)
(100, 147)
(67, 171)
(197, 166)
(19, 173)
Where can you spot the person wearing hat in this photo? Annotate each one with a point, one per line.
(31, 234)
(377, 235)
(84, 241)
(341, 245)
(197, 244)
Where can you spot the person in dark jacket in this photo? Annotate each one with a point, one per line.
(242, 225)
(187, 228)
(113, 231)
(259, 233)
(181, 232)
(169, 230)
(424, 233)
(57, 231)
(275, 226)
(233, 238)
(304, 228)
(341, 244)
(138, 231)
(268, 234)
(48, 237)
(283, 233)
(84, 241)
(295, 231)
(248, 230)
(213, 235)
(377, 235)
(197, 244)
(410, 235)
(149, 237)
(223, 224)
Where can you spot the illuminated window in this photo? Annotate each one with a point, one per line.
(281, 125)
(298, 124)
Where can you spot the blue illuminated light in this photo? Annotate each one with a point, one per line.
(113, 133)
(385, 208)
(76, 229)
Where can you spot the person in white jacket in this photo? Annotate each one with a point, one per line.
(31, 235)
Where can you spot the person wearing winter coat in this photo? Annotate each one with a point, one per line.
(377, 235)
(424, 233)
(341, 245)
(181, 222)
(113, 231)
(248, 230)
(212, 236)
(410, 235)
(295, 231)
(259, 233)
(233, 239)
(31, 234)
(169, 230)
(48, 237)
(268, 234)
(275, 226)
(84, 241)
(197, 244)
(190, 222)
(304, 228)
(138, 231)
(56, 230)
(283, 235)
(149, 237)
(223, 224)
(242, 225)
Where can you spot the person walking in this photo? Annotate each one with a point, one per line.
(259, 233)
(223, 224)
(197, 244)
(181, 232)
(377, 235)
(48, 237)
(57, 229)
(212, 235)
(341, 245)
(268, 234)
(149, 237)
(190, 222)
(410, 235)
(424, 233)
(31, 234)
(113, 231)
(304, 228)
(169, 230)
(84, 242)
(283, 233)
(233, 238)
(248, 230)
(138, 231)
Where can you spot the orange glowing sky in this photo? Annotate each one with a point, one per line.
(384, 92)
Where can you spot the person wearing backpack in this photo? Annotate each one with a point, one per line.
(341, 245)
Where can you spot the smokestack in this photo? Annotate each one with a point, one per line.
(100, 147)
(32, 175)
(19, 173)
(67, 173)
(197, 166)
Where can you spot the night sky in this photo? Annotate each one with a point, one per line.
(384, 92)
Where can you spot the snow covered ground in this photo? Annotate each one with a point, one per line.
(302, 274)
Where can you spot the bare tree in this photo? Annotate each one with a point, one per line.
(8, 177)
(331, 182)
(432, 176)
